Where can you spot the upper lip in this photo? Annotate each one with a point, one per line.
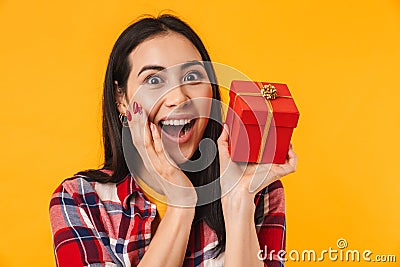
(177, 117)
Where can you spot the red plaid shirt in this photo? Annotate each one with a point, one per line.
(95, 224)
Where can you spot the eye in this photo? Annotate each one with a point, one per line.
(153, 80)
(192, 76)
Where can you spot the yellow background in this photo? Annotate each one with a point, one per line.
(339, 58)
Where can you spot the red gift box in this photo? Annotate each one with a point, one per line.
(261, 118)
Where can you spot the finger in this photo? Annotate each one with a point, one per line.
(144, 122)
(223, 142)
(288, 167)
(292, 160)
(131, 112)
(142, 135)
(162, 154)
(141, 125)
(134, 123)
(158, 146)
(148, 140)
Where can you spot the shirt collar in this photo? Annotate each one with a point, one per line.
(126, 188)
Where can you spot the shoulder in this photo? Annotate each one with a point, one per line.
(75, 185)
(69, 193)
(81, 189)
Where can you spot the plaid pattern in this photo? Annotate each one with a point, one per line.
(96, 224)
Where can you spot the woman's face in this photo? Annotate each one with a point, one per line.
(169, 81)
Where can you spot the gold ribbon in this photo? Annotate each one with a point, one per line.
(269, 93)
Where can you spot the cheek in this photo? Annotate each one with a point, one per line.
(146, 100)
(202, 100)
(151, 107)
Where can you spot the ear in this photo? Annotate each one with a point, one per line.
(120, 99)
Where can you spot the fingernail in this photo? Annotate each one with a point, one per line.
(226, 127)
(135, 107)
(140, 110)
(152, 126)
(128, 115)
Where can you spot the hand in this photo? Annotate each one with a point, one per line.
(147, 140)
(240, 181)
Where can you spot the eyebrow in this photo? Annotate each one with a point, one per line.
(160, 68)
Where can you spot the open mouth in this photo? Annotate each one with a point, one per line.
(177, 129)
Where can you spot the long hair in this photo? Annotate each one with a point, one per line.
(118, 69)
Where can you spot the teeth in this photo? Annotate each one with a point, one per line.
(175, 122)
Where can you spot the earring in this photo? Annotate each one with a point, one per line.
(123, 119)
(119, 90)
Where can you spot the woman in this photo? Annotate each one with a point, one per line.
(149, 214)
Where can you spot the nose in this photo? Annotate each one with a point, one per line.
(176, 97)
